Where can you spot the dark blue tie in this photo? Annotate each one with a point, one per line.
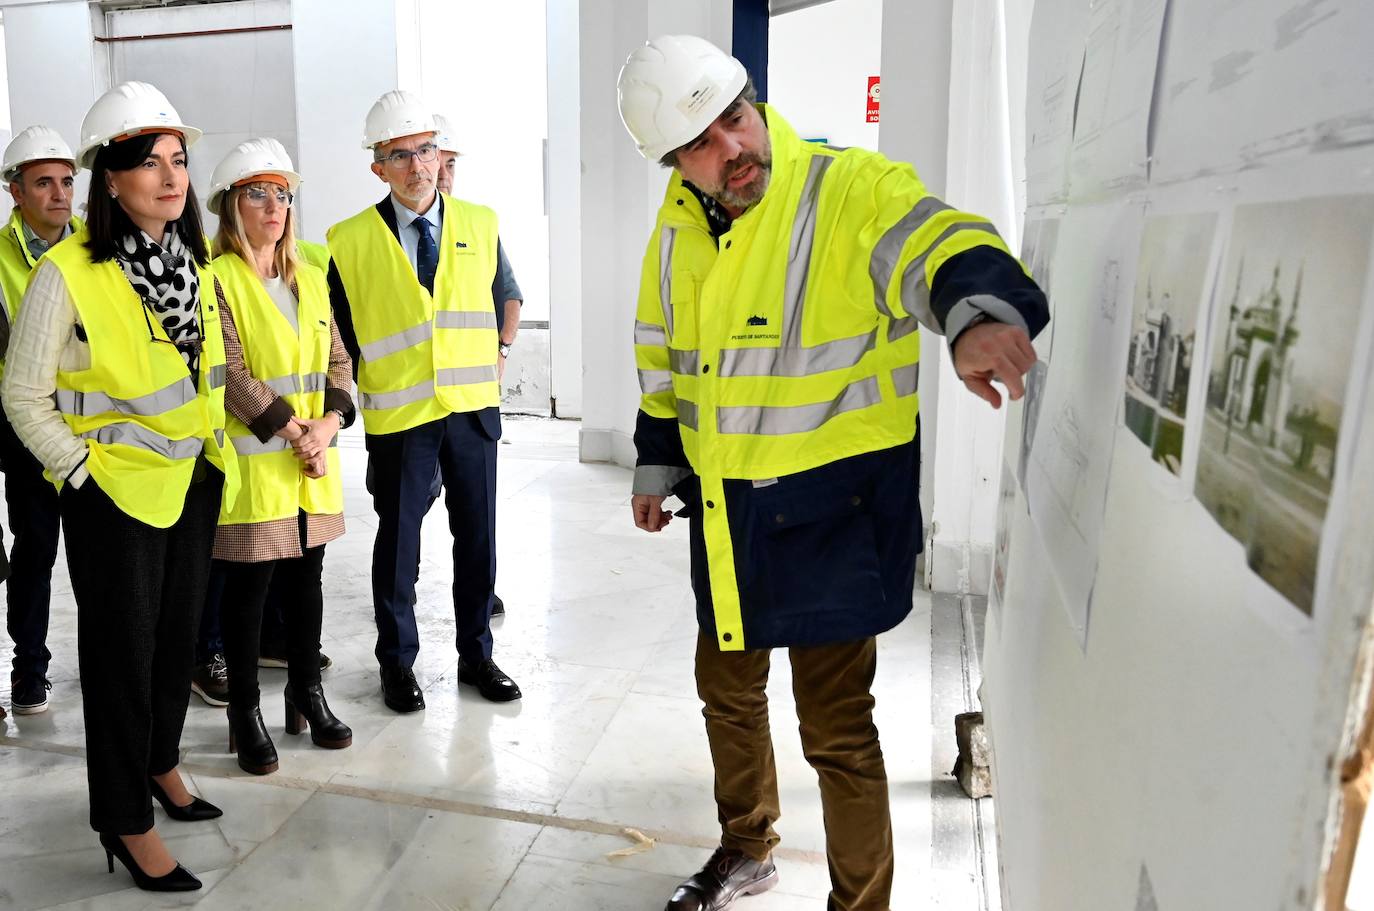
(426, 255)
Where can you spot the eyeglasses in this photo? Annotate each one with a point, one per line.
(256, 196)
(400, 159)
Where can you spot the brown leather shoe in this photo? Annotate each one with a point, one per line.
(726, 876)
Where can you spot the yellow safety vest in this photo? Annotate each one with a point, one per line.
(422, 357)
(16, 265)
(293, 360)
(143, 420)
(315, 254)
(794, 342)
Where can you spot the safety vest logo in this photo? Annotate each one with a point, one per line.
(758, 321)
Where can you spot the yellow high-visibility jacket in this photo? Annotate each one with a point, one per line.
(293, 360)
(143, 419)
(421, 357)
(790, 342)
(16, 265)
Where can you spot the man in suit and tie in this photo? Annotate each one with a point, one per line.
(411, 280)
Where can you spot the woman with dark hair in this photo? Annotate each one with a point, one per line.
(115, 381)
(287, 397)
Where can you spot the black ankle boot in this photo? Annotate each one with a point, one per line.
(309, 706)
(249, 738)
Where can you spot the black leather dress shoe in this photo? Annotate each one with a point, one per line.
(489, 679)
(400, 690)
(727, 875)
(498, 607)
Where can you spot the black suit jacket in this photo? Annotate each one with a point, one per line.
(488, 418)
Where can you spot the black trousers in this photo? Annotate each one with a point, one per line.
(246, 585)
(34, 521)
(139, 592)
(403, 470)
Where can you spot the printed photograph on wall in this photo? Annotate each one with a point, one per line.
(1286, 310)
(1170, 282)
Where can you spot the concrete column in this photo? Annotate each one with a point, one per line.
(946, 110)
(619, 195)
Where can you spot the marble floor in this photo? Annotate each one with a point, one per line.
(471, 805)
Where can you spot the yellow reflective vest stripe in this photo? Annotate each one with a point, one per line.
(791, 341)
(290, 353)
(16, 265)
(142, 418)
(422, 356)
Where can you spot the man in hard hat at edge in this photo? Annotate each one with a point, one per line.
(40, 170)
(411, 282)
(777, 343)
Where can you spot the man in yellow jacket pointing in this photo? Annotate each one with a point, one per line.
(778, 351)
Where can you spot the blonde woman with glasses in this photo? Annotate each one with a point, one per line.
(287, 398)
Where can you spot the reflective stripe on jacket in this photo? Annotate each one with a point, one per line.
(791, 342)
(291, 356)
(143, 419)
(421, 356)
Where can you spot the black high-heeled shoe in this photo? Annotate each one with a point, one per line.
(179, 880)
(196, 811)
(248, 738)
(310, 707)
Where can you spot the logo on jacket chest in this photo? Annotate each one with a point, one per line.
(756, 328)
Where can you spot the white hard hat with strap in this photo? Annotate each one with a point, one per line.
(37, 143)
(127, 110)
(397, 113)
(672, 88)
(254, 158)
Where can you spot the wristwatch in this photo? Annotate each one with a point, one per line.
(504, 348)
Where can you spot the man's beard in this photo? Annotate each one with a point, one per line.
(749, 194)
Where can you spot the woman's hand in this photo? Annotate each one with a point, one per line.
(315, 468)
(318, 432)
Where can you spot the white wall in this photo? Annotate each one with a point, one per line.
(620, 193)
(35, 36)
(191, 72)
(482, 64)
(345, 58)
(565, 205)
(819, 61)
(1195, 734)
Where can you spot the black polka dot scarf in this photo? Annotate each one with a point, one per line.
(163, 276)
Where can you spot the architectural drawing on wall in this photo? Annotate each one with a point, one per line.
(1073, 439)
(1284, 85)
(1037, 251)
(1109, 299)
(1055, 64)
(1171, 279)
(1001, 545)
(1111, 127)
(1289, 299)
(1030, 414)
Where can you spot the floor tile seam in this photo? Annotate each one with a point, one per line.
(459, 807)
(515, 869)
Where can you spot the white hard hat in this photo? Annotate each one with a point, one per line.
(672, 88)
(396, 114)
(127, 109)
(250, 159)
(445, 135)
(37, 143)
